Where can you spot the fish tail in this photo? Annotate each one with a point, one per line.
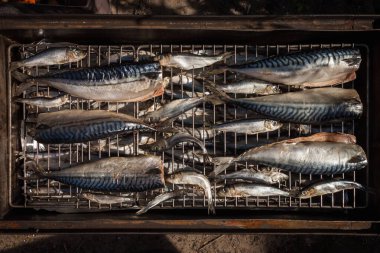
(211, 208)
(221, 164)
(15, 65)
(226, 55)
(19, 76)
(218, 97)
(36, 168)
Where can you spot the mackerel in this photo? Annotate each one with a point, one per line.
(73, 126)
(113, 174)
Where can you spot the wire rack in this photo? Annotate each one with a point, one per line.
(29, 192)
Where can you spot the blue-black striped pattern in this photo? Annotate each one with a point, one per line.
(317, 57)
(304, 114)
(131, 183)
(107, 73)
(82, 131)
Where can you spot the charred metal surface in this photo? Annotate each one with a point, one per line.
(3, 131)
(241, 23)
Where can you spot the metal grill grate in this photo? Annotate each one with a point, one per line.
(60, 196)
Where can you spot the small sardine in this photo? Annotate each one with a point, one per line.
(164, 144)
(173, 109)
(309, 157)
(327, 187)
(250, 86)
(73, 126)
(313, 106)
(51, 56)
(247, 190)
(248, 126)
(107, 199)
(114, 174)
(193, 178)
(45, 102)
(316, 68)
(159, 199)
(262, 176)
(187, 61)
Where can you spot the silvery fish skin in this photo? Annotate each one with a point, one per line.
(247, 190)
(178, 93)
(309, 157)
(200, 117)
(159, 199)
(187, 82)
(193, 178)
(262, 176)
(314, 106)
(187, 61)
(187, 157)
(248, 126)
(72, 126)
(327, 187)
(317, 68)
(327, 137)
(45, 102)
(164, 144)
(172, 109)
(113, 174)
(51, 56)
(250, 86)
(199, 133)
(107, 199)
(116, 83)
(43, 190)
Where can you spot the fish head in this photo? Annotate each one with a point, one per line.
(278, 177)
(174, 178)
(75, 54)
(272, 124)
(164, 59)
(272, 89)
(355, 106)
(308, 193)
(226, 191)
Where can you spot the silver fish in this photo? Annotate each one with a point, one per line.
(248, 126)
(159, 199)
(51, 56)
(178, 93)
(187, 157)
(247, 190)
(113, 174)
(193, 178)
(164, 144)
(327, 187)
(116, 83)
(106, 199)
(250, 86)
(199, 133)
(72, 126)
(43, 190)
(187, 61)
(187, 82)
(45, 102)
(262, 176)
(173, 109)
(314, 106)
(317, 68)
(309, 157)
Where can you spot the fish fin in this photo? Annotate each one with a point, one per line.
(15, 65)
(220, 164)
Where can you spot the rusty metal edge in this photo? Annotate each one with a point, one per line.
(241, 23)
(184, 225)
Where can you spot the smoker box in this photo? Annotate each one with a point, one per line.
(267, 34)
